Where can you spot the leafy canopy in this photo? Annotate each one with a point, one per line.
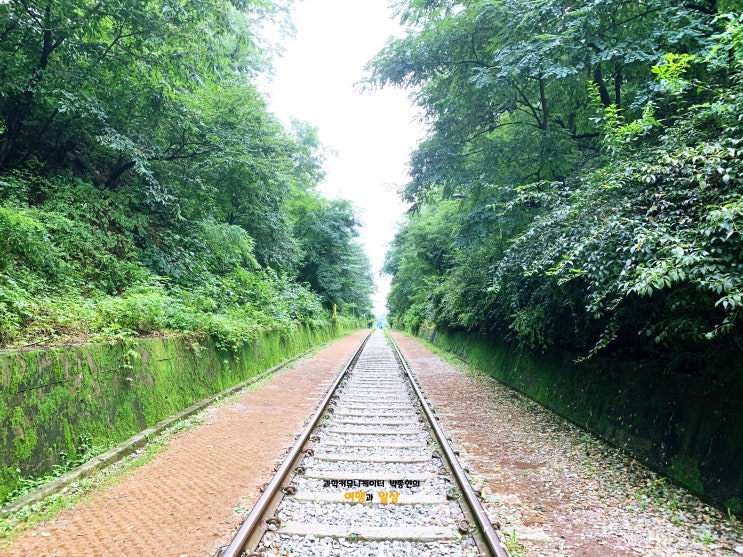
(581, 176)
(145, 186)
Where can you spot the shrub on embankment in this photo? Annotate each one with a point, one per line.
(687, 427)
(61, 404)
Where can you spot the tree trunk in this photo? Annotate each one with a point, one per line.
(543, 103)
(117, 172)
(23, 105)
(598, 79)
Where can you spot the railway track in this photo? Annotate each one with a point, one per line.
(370, 475)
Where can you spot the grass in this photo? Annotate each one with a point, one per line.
(514, 547)
(85, 451)
(14, 524)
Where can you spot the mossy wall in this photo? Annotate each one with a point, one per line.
(54, 397)
(685, 427)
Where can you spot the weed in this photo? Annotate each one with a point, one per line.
(704, 537)
(113, 334)
(660, 493)
(513, 546)
(733, 506)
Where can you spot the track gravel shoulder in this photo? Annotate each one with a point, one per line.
(184, 501)
(555, 490)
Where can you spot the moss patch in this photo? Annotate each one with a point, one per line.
(104, 394)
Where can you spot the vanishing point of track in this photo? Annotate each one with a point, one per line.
(372, 474)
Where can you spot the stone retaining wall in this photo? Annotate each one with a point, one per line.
(60, 400)
(688, 428)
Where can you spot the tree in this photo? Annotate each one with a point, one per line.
(141, 170)
(332, 263)
(595, 170)
(100, 86)
(503, 84)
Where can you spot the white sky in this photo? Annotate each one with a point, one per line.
(372, 134)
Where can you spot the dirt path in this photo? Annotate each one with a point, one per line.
(554, 489)
(183, 502)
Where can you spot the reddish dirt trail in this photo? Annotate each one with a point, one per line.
(183, 502)
(555, 490)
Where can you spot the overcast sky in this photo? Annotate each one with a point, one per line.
(372, 134)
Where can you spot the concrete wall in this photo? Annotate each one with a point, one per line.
(55, 400)
(689, 428)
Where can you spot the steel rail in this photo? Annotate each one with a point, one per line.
(489, 535)
(256, 515)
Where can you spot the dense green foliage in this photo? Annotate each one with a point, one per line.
(145, 186)
(580, 187)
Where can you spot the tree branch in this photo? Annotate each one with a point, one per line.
(532, 109)
(543, 102)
